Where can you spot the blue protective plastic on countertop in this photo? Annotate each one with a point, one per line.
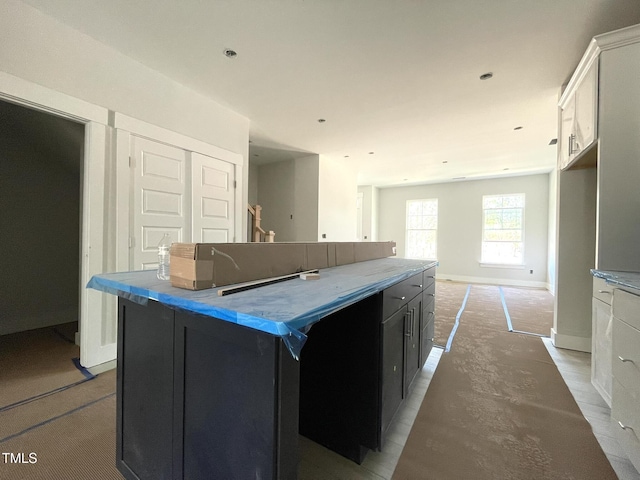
(623, 279)
(286, 309)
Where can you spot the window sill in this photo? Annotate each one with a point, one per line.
(515, 266)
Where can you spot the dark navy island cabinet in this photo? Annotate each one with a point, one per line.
(198, 397)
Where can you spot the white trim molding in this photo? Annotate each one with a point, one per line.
(160, 134)
(22, 92)
(492, 281)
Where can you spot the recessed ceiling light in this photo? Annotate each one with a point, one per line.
(321, 120)
(518, 128)
(553, 141)
(486, 76)
(228, 52)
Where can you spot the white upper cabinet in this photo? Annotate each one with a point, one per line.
(579, 104)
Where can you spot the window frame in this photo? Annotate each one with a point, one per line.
(487, 263)
(408, 229)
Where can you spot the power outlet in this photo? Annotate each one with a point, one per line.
(531, 272)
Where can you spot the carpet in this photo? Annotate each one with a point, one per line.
(497, 408)
(76, 443)
(26, 373)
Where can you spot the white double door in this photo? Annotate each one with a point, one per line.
(188, 195)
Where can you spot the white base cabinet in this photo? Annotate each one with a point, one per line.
(625, 399)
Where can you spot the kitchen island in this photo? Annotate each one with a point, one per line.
(220, 387)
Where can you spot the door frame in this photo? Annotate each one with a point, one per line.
(93, 248)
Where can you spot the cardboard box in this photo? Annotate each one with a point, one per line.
(196, 266)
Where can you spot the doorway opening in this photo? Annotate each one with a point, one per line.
(41, 159)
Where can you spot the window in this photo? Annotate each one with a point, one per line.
(503, 229)
(422, 228)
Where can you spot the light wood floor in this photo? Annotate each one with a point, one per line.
(316, 462)
(575, 367)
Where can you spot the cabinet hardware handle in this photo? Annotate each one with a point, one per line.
(398, 298)
(572, 141)
(624, 427)
(625, 359)
(431, 276)
(431, 294)
(407, 324)
(419, 286)
(605, 291)
(413, 322)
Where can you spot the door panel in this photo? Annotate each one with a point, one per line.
(393, 330)
(160, 198)
(213, 190)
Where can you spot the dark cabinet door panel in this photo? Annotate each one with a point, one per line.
(393, 330)
(145, 387)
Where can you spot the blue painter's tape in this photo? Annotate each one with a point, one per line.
(506, 311)
(87, 374)
(455, 325)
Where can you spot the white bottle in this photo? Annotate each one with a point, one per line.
(163, 257)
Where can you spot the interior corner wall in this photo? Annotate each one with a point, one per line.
(252, 182)
(460, 226)
(337, 201)
(40, 226)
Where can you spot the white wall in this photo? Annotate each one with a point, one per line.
(460, 226)
(305, 189)
(252, 189)
(575, 255)
(551, 244)
(337, 195)
(42, 50)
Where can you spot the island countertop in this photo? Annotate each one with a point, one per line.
(629, 280)
(286, 309)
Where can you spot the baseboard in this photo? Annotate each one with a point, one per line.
(570, 342)
(103, 367)
(492, 281)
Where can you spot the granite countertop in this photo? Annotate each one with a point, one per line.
(630, 280)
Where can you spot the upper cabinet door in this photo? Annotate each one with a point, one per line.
(578, 129)
(586, 102)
